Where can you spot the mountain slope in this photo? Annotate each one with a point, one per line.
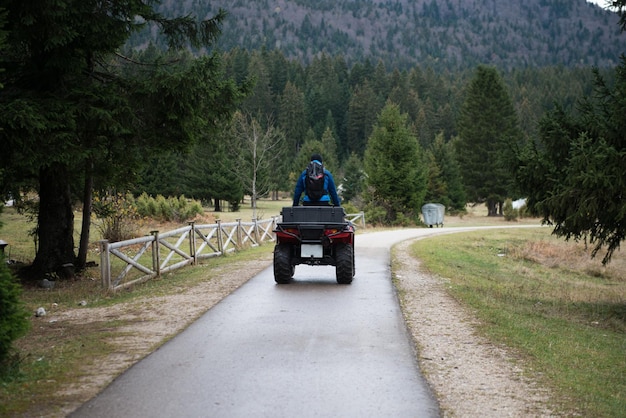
(449, 33)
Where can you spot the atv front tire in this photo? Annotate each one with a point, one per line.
(283, 270)
(344, 254)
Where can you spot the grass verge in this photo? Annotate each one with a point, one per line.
(562, 312)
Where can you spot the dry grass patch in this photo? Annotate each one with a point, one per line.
(574, 256)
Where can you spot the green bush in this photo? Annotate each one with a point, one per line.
(177, 209)
(13, 317)
(403, 220)
(376, 215)
(145, 205)
(164, 208)
(510, 214)
(235, 205)
(118, 216)
(349, 207)
(194, 208)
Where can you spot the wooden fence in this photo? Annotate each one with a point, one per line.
(125, 263)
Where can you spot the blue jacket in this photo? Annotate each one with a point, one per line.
(329, 187)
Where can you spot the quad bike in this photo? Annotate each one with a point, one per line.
(317, 236)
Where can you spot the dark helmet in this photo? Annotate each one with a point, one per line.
(316, 157)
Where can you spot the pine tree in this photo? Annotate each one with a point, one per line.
(448, 174)
(13, 315)
(353, 179)
(292, 118)
(395, 170)
(574, 176)
(363, 109)
(70, 104)
(489, 137)
(329, 144)
(261, 102)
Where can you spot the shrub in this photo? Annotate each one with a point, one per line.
(193, 208)
(13, 316)
(145, 205)
(178, 209)
(376, 215)
(349, 207)
(118, 216)
(235, 205)
(403, 220)
(510, 214)
(164, 208)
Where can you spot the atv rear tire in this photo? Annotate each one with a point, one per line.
(345, 263)
(283, 270)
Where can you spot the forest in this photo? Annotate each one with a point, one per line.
(333, 108)
(445, 35)
(84, 110)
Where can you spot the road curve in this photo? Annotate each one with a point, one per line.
(311, 348)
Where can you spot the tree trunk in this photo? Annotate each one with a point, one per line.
(55, 222)
(85, 231)
(492, 209)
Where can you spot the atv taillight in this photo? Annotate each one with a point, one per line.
(287, 235)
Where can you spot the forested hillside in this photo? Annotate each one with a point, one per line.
(453, 34)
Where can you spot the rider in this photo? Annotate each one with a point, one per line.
(329, 189)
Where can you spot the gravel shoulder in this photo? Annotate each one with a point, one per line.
(470, 376)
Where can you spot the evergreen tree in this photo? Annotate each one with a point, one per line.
(68, 104)
(161, 175)
(363, 109)
(620, 7)
(353, 179)
(574, 176)
(13, 316)
(437, 189)
(446, 176)
(326, 91)
(395, 171)
(489, 138)
(292, 118)
(329, 145)
(261, 101)
(206, 174)
(380, 81)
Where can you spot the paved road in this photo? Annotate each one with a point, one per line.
(311, 348)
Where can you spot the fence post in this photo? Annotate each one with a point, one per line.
(220, 245)
(192, 242)
(256, 231)
(363, 219)
(156, 257)
(239, 234)
(105, 264)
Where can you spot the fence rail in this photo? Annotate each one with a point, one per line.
(125, 263)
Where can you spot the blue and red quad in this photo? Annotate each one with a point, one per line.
(317, 236)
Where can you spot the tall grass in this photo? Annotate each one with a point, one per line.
(561, 311)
